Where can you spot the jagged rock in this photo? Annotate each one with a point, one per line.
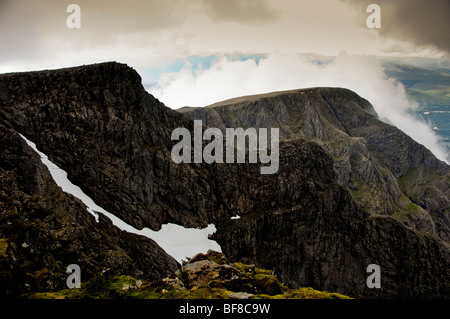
(138, 283)
(240, 295)
(387, 172)
(211, 255)
(320, 221)
(127, 287)
(174, 283)
(45, 230)
(200, 273)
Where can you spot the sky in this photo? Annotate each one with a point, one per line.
(197, 52)
(153, 33)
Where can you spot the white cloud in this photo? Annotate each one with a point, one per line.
(363, 74)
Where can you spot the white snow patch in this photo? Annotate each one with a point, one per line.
(177, 241)
(235, 217)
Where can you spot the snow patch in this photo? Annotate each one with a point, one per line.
(177, 241)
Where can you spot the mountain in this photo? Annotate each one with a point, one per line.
(350, 190)
(386, 171)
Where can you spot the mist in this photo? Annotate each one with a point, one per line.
(226, 79)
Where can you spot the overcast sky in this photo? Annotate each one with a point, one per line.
(148, 33)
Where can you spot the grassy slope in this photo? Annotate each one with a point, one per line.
(427, 86)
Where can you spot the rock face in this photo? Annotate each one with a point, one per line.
(386, 171)
(46, 230)
(313, 222)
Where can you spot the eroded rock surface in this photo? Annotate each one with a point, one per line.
(350, 191)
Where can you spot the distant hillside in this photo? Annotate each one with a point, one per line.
(430, 87)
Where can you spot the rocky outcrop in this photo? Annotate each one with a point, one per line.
(114, 140)
(204, 277)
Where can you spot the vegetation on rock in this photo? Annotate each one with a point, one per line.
(205, 276)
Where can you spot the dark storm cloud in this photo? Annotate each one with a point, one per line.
(142, 15)
(242, 11)
(422, 22)
(118, 16)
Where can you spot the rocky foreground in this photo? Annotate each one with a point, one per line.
(203, 277)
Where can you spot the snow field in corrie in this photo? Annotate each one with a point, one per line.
(177, 241)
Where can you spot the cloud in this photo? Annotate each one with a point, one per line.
(228, 78)
(421, 22)
(17, 39)
(104, 20)
(241, 11)
(35, 32)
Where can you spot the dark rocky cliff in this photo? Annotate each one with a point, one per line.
(98, 123)
(44, 230)
(386, 171)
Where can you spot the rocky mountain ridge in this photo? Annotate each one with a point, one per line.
(386, 171)
(306, 223)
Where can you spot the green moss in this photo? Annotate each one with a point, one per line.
(202, 293)
(335, 295)
(268, 284)
(240, 266)
(303, 293)
(62, 294)
(152, 291)
(262, 271)
(3, 247)
(266, 296)
(99, 287)
(216, 257)
(259, 282)
(107, 286)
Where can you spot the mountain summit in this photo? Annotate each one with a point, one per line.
(350, 191)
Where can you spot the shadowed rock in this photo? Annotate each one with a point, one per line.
(348, 193)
